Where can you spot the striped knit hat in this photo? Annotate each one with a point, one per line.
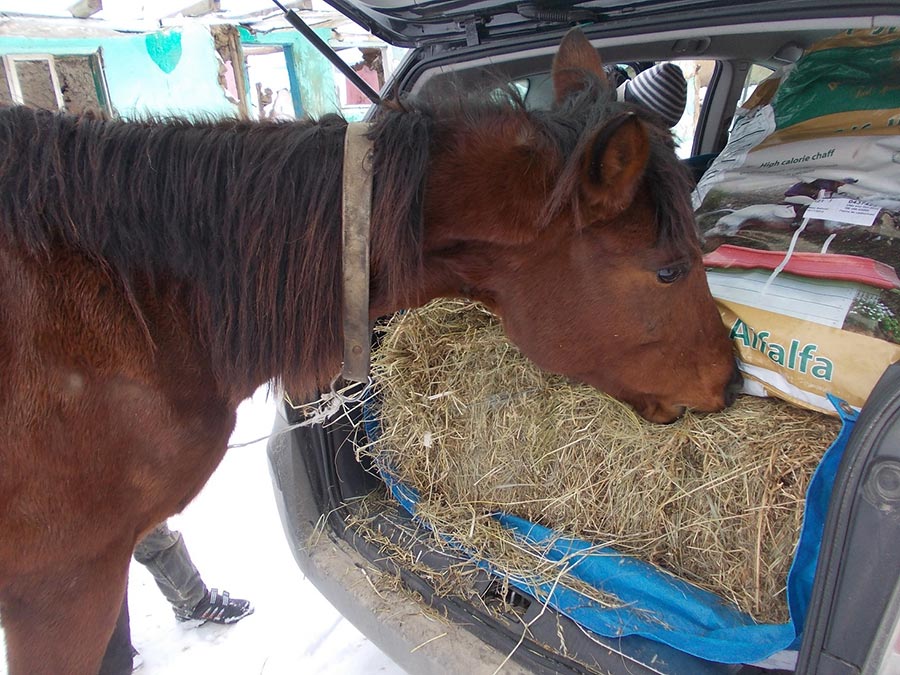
(661, 88)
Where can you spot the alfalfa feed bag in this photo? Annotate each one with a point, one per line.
(800, 217)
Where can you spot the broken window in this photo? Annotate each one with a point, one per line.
(271, 94)
(73, 83)
(369, 65)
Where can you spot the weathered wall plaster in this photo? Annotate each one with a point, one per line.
(170, 72)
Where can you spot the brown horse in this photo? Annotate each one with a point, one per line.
(152, 275)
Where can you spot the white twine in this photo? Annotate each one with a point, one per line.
(790, 251)
(319, 411)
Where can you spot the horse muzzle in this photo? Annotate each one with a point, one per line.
(661, 412)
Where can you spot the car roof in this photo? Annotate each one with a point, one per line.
(421, 22)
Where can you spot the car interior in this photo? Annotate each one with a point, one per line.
(735, 52)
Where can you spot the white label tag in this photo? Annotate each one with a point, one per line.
(822, 301)
(843, 210)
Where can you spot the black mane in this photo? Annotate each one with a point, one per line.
(247, 215)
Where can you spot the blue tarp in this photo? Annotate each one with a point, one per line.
(660, 606)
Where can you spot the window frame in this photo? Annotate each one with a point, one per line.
(15, 85)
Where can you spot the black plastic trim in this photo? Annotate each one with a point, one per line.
(859, 560)
(545, 625)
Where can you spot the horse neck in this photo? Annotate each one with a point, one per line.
(286, 279)
(487, 186)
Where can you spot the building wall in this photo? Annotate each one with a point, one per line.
(174, 71)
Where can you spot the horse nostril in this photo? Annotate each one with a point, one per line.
(730, 397)
(734, 386)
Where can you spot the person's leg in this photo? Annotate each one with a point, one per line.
(119, 656)
(164, 553)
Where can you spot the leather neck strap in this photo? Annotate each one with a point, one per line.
(357, 212)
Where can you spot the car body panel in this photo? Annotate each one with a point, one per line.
(451, 22)
(317, 476)
(859, 560)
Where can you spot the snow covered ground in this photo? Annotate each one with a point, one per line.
(234, 535)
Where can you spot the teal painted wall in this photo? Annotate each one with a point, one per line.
(170, 72)
(312, 76)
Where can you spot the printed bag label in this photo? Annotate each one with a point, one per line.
(808, 356)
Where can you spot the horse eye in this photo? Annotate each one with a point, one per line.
(669, 274)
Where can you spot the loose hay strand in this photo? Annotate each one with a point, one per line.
(716, 499)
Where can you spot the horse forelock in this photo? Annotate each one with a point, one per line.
(670, 185)
(571, 126)
(246, 216)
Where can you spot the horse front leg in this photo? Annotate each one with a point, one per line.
(62, 622)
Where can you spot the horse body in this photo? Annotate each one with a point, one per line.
(152, 275)
(103, 437)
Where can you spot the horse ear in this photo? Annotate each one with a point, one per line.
(613, 165)
(575, 57)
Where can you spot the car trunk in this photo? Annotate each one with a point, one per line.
(325, 494)
(327, 487)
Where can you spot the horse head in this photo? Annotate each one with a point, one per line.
(574, 226)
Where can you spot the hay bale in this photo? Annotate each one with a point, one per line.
(716, 499)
